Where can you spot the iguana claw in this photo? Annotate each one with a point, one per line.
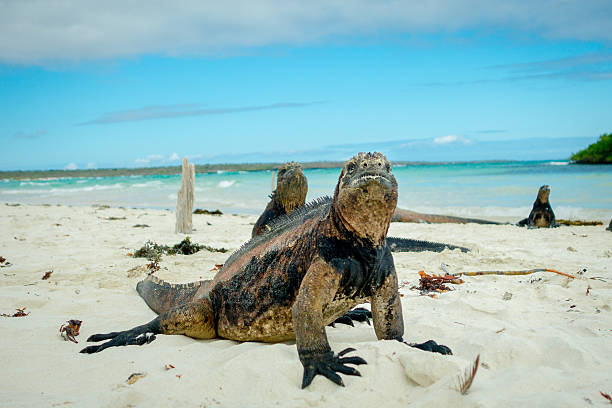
(359, 314)
(431, 346)
(125, 338)
(327, 364)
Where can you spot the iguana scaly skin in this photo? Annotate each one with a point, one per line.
(313, 266)
(290, 193)
(541, 215)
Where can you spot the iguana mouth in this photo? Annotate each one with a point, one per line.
(380, 177)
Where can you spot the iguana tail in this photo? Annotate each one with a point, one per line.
(161, 296)
(401, 215)
(414, 245)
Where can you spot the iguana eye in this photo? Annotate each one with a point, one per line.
(351, 167)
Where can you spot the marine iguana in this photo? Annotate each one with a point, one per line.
(313, 266)
(609, 226)
(541, 215)
(290, 193)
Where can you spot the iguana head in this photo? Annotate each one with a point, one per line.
(543, 194)
(291, 187)
(366, 195)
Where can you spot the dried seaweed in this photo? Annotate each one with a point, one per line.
(152, 250)
(213, 212)
(19, 313)
(70, 330)
(140, 226)
(513, 273)
(185, 247)
(2, 259)
(606, 396)
(465, 380)
(47, 275)
(579, 223)
(436, 283)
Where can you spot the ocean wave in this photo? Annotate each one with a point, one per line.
(60, 191)
(32, 183)
(226, 183)
(153, 183)
(557, 163)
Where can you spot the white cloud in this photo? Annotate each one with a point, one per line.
(72, 30)
(177, 111)
(71, 166)
(157, 158)
(451, 139)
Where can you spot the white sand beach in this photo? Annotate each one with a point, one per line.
(544, 340)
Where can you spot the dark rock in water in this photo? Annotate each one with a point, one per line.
(213, 212)
(609, 226)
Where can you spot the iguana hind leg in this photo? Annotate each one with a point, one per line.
(193, 319)
(359, 314)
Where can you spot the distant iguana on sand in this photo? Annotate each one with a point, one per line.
(313, 266)
(290, 193)
(541, 215)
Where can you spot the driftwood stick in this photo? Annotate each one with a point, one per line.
(184, 202)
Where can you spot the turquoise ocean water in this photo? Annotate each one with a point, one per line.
(505, 189)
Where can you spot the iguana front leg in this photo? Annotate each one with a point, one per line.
(318, 289)
(387, 314)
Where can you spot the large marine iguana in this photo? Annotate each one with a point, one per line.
(313, 266)
(290, 193)
(541, 215)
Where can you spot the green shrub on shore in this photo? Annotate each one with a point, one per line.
(599, 152)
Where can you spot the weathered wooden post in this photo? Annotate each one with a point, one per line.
(184, 202)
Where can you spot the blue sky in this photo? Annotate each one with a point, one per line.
(107, 85)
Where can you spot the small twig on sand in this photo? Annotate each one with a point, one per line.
(465, 380)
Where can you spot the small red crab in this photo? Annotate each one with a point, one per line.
(70, 330)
